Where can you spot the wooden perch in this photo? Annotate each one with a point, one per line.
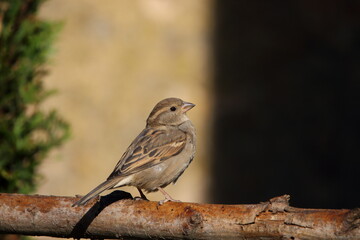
(118, 216)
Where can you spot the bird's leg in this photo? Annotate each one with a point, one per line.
(142, 194)
(168, 198)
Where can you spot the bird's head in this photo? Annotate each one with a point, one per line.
(170, 111)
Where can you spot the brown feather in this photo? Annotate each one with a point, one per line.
(158, 155)
(145, 152)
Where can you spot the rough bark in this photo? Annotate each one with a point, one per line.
(118, 216)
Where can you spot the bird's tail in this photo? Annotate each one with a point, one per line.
(96, 191)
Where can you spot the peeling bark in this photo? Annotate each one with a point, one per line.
(117, 215)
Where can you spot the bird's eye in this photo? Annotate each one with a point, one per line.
(173, 109)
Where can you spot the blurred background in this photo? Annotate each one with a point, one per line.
(276, 85)
(113, 62)
(287, 102)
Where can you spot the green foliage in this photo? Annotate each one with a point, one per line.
(27, 133)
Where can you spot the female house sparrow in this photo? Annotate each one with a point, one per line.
(158, 155)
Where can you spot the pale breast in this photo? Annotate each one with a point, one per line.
(168, 171)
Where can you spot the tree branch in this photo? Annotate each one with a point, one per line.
(118, 216)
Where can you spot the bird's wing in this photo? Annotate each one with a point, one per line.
(151, 147)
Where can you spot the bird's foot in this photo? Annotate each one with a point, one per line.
(140, 198)
(161, 202)
(142, 195)
(168, 198)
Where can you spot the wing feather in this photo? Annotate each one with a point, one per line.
(150, 148)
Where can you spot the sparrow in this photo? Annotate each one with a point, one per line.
(158, 155)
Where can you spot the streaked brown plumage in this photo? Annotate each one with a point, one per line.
(158, 155)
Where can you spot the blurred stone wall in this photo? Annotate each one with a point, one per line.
(114, 61)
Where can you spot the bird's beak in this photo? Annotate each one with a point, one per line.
(187, 106)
